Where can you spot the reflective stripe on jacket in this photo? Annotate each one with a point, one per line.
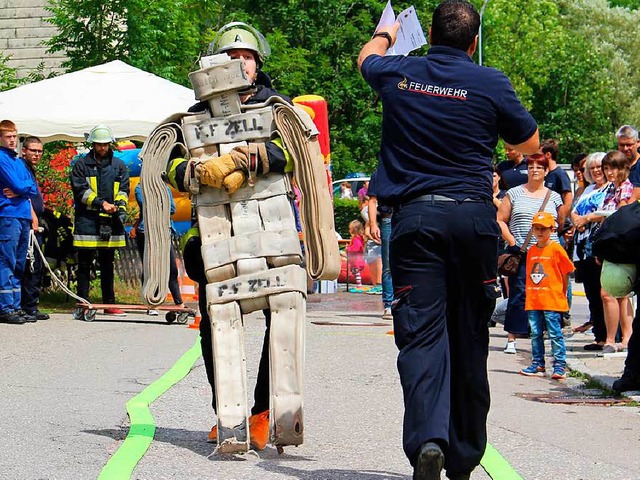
(93, 183)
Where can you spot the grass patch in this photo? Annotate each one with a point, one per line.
(592, 384)
(60, 302)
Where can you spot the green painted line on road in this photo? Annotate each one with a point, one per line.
(143, 428)
(497, 466)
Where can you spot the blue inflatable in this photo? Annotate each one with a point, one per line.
(129, 157)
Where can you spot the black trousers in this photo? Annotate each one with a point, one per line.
(590, 272)
(516, 320)
(632, 363)
(261, 393)
(174, 285)
(444, 267)
(105, 260)
(31, 282)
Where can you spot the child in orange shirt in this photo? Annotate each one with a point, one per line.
(548, 269)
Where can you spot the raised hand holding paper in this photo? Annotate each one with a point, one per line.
(410, 35)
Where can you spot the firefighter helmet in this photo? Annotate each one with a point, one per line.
(240, 35)
(101, 134)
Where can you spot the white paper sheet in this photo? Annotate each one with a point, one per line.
(410, 35)
(388, 18)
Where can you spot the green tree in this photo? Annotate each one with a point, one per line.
(322, 42)
(610, 86)
(8, 75)
(571, 63)
(91, 32)
(631, 4)
(164, 37)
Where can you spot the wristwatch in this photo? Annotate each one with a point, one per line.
(384, 35)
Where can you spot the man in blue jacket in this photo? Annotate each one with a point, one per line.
(16, 215)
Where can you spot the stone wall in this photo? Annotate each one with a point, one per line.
(22, 31)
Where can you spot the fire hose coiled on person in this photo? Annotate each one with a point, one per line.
(299, 134)
(156, 209)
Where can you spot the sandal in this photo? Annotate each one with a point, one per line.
(583, 328)
(595, 346)
(613, 348)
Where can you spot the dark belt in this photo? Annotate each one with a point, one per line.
(433, 199)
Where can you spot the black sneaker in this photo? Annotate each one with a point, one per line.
(39, 315)
(27, 316)
(626, 383)
(458, 476)
(429, 463)
(13, 318)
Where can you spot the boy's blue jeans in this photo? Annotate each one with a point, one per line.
(553, 321)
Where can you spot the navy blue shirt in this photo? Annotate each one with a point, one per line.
(558, 180)
(634, 174)
(513, 175)
(372, 191)
(442, 116)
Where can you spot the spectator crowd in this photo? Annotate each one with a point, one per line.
(535, 186)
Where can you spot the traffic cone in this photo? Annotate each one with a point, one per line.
(188, 288)
(196, 321)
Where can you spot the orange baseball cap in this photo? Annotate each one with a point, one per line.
(544, 219)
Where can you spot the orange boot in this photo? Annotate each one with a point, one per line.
(213, 434)
(259, 430)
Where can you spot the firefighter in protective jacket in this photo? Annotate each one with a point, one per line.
(100, 184)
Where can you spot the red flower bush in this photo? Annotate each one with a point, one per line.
(53, 175)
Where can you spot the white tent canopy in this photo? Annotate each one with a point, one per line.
(129, 100)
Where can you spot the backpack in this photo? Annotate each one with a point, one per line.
(618, 239)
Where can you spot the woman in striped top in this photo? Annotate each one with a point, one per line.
(514, 217)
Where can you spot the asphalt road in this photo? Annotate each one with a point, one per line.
(65, 383)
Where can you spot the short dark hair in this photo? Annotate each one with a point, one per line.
(550, 146)
(577, 160)
(455, 23)
(29, 140)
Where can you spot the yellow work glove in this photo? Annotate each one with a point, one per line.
(234, 181)
(214, 171)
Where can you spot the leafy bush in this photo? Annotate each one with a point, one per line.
(345, 210)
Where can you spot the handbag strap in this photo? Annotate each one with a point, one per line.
(523, 248)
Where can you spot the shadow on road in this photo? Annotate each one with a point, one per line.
(160, 322)
(332, 473)
(269, 459)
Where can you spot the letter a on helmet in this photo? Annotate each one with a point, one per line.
(236, 35)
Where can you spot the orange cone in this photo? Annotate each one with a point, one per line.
(188, 288)
(198, 317)
(196, 321)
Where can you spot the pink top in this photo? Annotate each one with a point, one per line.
(615, 195)
(355, 251)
